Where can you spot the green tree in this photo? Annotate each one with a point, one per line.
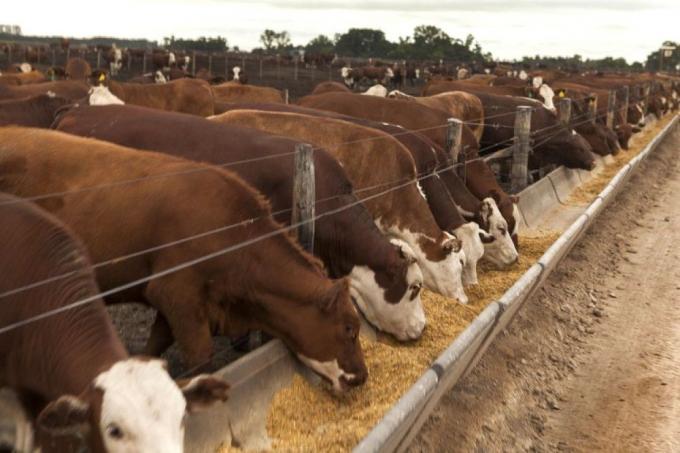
(282, 40)
(656, 60)
(320, 44)
(363, 42)
(267, 38)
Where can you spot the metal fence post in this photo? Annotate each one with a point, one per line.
(210, 63)
(286, 96)
(38, 54)
(99, 58)
(521, 149)
(9, 53)
(54, 57)
(592, 107)
(624, 103)
(278, 67)
(243, 64)
(304, 195)
(68, 54)
(295, 69)
(260, 68)
(144, 62)
(226, 66)
(564, 108)
(193, 63)
(129, 60)
(645, 90)
(611, 108)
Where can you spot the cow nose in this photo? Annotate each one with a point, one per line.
(358, 379)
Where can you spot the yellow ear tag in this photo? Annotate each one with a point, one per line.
(561, 94)
(102, 77)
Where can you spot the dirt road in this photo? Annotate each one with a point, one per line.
(593, 362)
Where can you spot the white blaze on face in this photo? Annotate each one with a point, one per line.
(523, 75)
(345, 72)
(25, 67)
(237, 72)
(473, 247)
(142, 408)
(404, 319)
(158, 77)
(443, 277)
(376, 90)
(330, 370)
(508, 73)
(417, 73)
(171, 59)
(536, 82)
(547, 94)
(501, 252)
(389, 73)
(100, 95)
(487, 71)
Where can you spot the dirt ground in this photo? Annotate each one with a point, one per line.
(593, 361)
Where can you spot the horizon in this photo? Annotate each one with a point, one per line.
(626, 29)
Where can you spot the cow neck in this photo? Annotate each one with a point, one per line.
(74, 348)
(462, 196)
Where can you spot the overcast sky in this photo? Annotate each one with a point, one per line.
(509, 29)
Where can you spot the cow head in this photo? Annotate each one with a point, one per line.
(159, 77)
(499, 247)
(396, 94)
(132, 406)
(636, 114)
(347, 76)
(471, 237)
(376, 90)
(325, 337)
(442, 262)
(100, 95)
(390, 300)
(566, 147)
(237, 73)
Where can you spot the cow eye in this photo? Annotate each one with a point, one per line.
(114, 431)
(415, 290)
(351, 332)
(502, 230)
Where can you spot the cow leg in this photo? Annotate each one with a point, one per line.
(161, 337)
(181, 304)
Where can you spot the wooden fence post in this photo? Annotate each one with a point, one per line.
(210, 63)
(592, 107)
(38, 56)
(624, 103)
(304, 195)
(260, 68)
(144, 62)
(286, 96)
(99, 58)
(521, 149)
(295, 69)
(645, 93)
(611, 108)
(68, 54)
(54, 57)
(278, 67)
(9, 53)
(226, 66)
(193, 63)
(243, 64)
(454, 136)
(564, 108)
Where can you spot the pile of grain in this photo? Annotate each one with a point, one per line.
(307, 418)
(589, 190)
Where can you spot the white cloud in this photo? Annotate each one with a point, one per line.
(593, 28)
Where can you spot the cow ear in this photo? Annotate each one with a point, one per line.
(452, 244)
(329, 300)
(485, 237)
(514, 199)
(65, 416)
(486, 211)
(203, 391)
(407, 255)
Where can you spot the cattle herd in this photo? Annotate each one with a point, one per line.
(179, 195)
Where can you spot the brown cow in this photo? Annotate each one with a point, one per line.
(77, 69)
(412, 116)
(457, 104)
(37, 111)
(23, 78)
(75, 380)
(72, 90)
(376, 162)
(182, 95)
(166, 202)
(329, 86)
(384, 279)
(236, 92)
(497, 246)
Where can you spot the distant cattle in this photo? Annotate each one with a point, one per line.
(37, 111)
(236, 92)
(327, 87)
(376, 162)
(412, 116)
(384, 279)
(77, 385)
(72, 90)
(371, 74)
(182, 95)
(77, 69)
(22, 78)
(166, 201)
